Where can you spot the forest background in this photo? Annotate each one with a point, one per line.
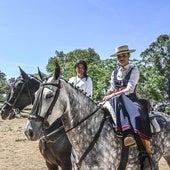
(154, 66)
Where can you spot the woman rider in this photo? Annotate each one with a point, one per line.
(130, 117)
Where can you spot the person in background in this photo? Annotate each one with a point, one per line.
(82, 80)
(130, 116)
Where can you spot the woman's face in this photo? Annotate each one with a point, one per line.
(80, 70)
(123, 59)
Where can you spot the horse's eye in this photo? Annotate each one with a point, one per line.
(49, 95)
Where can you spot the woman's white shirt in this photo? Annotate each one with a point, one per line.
(84, 84)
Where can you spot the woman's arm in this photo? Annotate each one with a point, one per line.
(89, 87)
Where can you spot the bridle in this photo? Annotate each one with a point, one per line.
(37, 117)
(12, 105)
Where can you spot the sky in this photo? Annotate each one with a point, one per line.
(32, 30)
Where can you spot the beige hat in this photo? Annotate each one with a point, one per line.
(122, 49)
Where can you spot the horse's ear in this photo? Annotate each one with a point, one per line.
(23, 74)
(42, 75)
(57, 71)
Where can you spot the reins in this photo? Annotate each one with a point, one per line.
(93, 142)
(98, 108)
(12, 105)
(47, 137)
(50, 133)
(51, 108)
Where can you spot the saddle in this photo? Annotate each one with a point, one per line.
(146, 104)
(155, 128)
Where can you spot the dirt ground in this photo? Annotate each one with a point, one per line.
(17, 153)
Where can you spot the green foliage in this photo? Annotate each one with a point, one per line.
(149, 84)
(101, 71)
(67, 61)
(2, 76)
(167, 109)
(95, 68)
(157, 68)
(154, 69)
(11, 80)
(4, 85)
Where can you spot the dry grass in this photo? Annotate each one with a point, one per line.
(16, 152)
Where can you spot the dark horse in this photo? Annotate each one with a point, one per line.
(95, 144)
(56, 149)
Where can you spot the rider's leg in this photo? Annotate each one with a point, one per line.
(110, 109)
(147, 145)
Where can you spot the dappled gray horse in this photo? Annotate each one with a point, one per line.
(56, 149)
(95, 144)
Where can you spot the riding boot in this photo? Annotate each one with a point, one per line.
(147, 145)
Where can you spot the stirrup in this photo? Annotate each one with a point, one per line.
(119, 134)
(129, 141)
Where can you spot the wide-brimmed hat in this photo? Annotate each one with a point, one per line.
(122, 49)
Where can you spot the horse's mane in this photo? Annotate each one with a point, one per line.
(82, 92)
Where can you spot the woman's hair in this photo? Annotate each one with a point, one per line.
(84, 64)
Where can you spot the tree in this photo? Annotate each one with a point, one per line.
(149, 83)
(157, 67)
(4, 85)
(2, 76)
(154, 69)
(67, 62)
(11, 80)
(101, 71)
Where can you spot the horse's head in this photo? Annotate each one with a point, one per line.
(20, 95)
(54, 99)
(41, 115)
